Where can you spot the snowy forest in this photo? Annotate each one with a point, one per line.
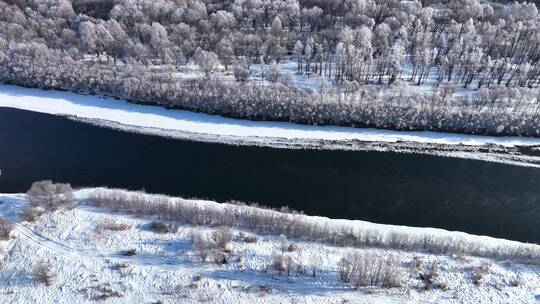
(465, 66)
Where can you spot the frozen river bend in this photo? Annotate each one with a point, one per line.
(210, 128)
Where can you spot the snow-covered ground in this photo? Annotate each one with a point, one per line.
(313, 82)
(90, 265)
(141, 116)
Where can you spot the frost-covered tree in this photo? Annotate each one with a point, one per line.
(273, 72)
(88, 36)
(225, 52)
(223, 21)
(298, 54)
(277, 27)
(241, 70)
(207, 61)
(50, 196)
(159, 39)
(395, 61)
(308, 52)
(364, 45)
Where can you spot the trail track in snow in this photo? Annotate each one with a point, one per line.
(74, 254)
(251, 277)
(88, 264)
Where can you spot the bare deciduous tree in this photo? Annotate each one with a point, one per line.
(51, 196)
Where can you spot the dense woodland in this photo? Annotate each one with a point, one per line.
(131, 49)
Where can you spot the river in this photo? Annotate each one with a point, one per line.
(385, 187)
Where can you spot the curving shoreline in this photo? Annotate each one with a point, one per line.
(187, 125)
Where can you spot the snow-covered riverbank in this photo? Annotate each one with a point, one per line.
(89, 255)
(185, 125)
(122, 112)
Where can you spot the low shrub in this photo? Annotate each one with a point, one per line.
(214, 247)
(429, 278)
(283, 263)
(113, 225)
(278, 262)
(367, 269)
(248, 238)
(30, 214)
(106, 291)
(221, 237)
(478, 275)
(201, 244)
(515, 280)
(129, 252)
(44, 272)
(5, 229)
(292, 248)
(159, 227)
(119, 266)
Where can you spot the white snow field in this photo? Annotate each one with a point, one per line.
(116, 112)
(85, 245)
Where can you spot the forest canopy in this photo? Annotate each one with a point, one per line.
(375, 53)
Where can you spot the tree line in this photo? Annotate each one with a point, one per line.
(296, 226)
(365, 47)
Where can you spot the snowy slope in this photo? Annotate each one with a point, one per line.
(124, 113)
(91, 267)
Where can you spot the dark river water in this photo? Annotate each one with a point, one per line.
(385, 187)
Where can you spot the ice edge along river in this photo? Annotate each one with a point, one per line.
(86, 107)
